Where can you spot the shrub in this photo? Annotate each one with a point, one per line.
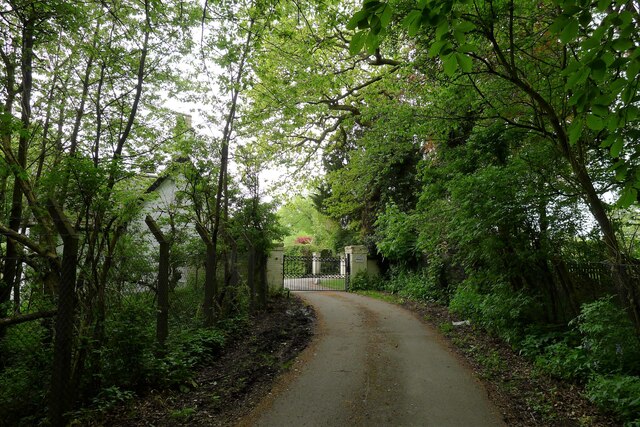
(608, 336)
(505, 312)
(564, 360)
(185, 303)
(127, 355)
(24, 373)
(363, 282)
(602, 341)
(419, 285)
(186, 351)
(422, 286)
(501, 311)
(466, 301)
(538, 338)
(619, 394)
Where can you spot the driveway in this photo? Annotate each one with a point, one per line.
(374, 364)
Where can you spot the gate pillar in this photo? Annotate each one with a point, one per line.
(357, 258)
(316, 264)
(275, 267)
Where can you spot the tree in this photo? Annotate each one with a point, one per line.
(306, 225)
(548, 68)
(76, 118)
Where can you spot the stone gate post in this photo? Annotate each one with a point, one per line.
(275, 267)
(316, 263)
(357, 258)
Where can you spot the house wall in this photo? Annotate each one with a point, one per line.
(164, 201)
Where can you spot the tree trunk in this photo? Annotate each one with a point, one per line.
(617, 258)
(13, 252)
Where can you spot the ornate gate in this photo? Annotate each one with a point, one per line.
(311, 273)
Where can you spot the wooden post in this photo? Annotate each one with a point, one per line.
(263, 284)
(210, 285)
(251, 277)
(162, 319)
(61, 395)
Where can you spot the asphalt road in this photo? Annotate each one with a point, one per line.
(374, 364)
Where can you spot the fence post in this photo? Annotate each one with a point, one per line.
(210, 288)
(162, 319)
(358, 259)
(61, 393)
(263, 283)
(251, 276)
(347, 272)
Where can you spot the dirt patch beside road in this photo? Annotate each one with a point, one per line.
(227, 389)
(258, 367)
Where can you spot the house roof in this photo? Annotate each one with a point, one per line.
(165, 176)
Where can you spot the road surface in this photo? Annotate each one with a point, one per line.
(374, 364)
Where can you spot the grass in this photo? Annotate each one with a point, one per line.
(309, 283)
(392, 298)
(337, 284)
(183, 414)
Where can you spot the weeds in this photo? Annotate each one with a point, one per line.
(184, 414)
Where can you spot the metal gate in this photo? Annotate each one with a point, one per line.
(311, 273)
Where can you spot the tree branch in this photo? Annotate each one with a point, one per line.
(25, 241)
(27, 318)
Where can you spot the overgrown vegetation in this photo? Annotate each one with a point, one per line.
(310, 231)
(91, 160)
(486, 152)
(598, 349)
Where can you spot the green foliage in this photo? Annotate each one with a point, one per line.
(592, 80)
(415, 285)
(608, 337)
(375, 167)
(602, 341)
(256, 222)
(300, 217)
(110, 397)
(128, 352)
(466, 301)
(132, 360)
(618, 394)
(24, 377)
(298, 264)
(538, 338)
(136, 262)
(499, 309)
(492, 363)
(300, 250)
(420, 285)
(184, 304)
(187, 351)
(365, 282)
(565, 360)
(397, 231)
(183, 415)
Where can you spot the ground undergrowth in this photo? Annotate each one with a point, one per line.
(524, 395)
(225, 390)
